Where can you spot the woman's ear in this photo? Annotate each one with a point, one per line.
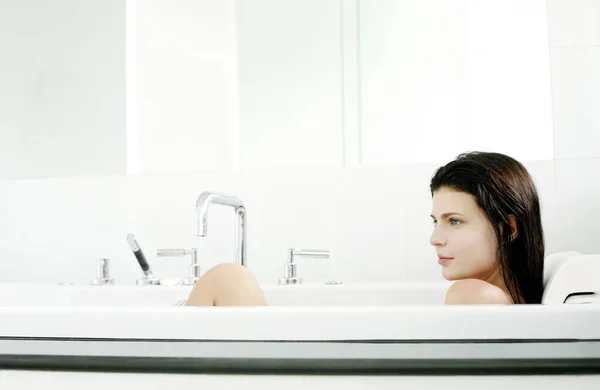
(513, 227)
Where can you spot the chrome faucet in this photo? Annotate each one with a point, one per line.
(202, 204)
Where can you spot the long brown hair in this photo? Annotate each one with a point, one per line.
(502, 187)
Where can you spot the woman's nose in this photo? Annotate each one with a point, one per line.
(437, 238)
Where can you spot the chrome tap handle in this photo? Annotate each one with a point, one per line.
(290, 271)
(194, 268)
(172, 252)
(102, 269)
(102, 272)
(315, 254)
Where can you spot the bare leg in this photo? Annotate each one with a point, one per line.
(227, 284)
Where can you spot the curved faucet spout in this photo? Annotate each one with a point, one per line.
(201, 215)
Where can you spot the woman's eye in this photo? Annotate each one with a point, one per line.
(454, 221)
(434, 222)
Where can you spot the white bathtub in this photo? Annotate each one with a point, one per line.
(308, 328)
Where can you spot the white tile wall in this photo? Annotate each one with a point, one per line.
(368, 224)
(544, 177)
(53, 228)
(574, 22)
(577, 205)
(576, 98)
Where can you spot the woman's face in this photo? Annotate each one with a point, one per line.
(463, 238)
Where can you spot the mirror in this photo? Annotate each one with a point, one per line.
(438, 78)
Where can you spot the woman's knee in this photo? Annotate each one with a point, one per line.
(227, 284)
(227, 270)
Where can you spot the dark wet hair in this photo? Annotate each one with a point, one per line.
(502, 187)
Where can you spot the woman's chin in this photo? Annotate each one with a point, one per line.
(451, 275)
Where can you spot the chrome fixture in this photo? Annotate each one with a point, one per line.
(102, 273)
(290, 268)
(148, 277)
(201, 229)
(193, 269)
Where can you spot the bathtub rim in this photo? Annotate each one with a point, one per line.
(304, 323)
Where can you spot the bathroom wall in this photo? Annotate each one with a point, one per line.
(55, 86)
(575, 61)
(260, 100)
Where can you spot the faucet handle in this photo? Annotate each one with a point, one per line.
(102, 272)
(172, 252)
(291, 267)
(315, 254)
(193, 269)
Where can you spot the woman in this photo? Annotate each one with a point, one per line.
(488, 230)
(487, 234)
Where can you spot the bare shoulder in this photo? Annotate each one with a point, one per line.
(476, 292)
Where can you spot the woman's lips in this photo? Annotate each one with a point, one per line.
(443, 260)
